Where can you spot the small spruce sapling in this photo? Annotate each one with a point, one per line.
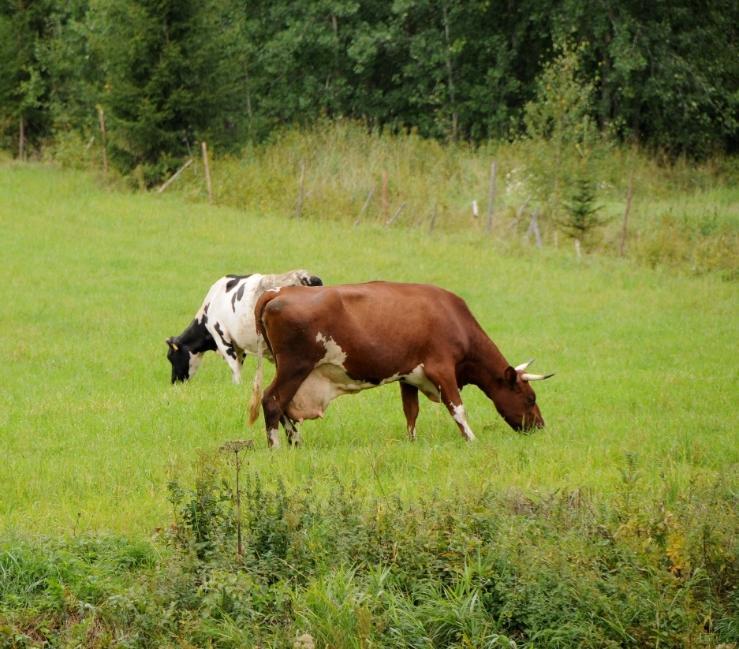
(580, 220)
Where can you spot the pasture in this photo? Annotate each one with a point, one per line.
(613, 526)
(92, 431)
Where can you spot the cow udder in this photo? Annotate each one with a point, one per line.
(323, 385)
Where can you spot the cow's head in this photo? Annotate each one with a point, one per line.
(306, 279)
(184, 362)
(515, 399)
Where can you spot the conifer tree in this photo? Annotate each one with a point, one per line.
(169, 81)
(24, 120)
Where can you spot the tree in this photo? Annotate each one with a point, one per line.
(23, 84)
(580, 219)
(664, 73)
(171, 79)
(559, 122)
(72, 67)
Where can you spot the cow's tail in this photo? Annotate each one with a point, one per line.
(262, 345)
(256, 387)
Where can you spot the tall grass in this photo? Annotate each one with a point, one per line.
(684, 215)
(482, 570)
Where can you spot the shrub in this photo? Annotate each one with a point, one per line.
(489, 570)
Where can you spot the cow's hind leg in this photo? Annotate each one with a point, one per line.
(279, 394)
(451, 398)
(409, 393)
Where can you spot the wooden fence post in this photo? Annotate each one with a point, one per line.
(22, 139)
(394, 217)
(624, 229)
(491, 195)
(301, 192)
(208, 184)
(174, 176)
(534, 228)
(104, 139)
(385, 202)
(433, 219)
(365, 206)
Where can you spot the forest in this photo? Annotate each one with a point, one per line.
(162, 75)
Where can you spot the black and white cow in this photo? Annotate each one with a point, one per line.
(225, 322)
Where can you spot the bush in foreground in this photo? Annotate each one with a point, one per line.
(488, 570)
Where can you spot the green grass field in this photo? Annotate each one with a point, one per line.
(92, 431)
(615, 526)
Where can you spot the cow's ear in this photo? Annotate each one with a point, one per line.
(172, 344)
(510, 376)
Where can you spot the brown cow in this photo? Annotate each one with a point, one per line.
(329, 341)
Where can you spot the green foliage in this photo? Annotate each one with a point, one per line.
(173, 73)
(204, 520)
(344, 166)
(655, 83)
(560, 127)
(490, 570)
(73, 66)
(54, 588)
(170, 81)
(561, 110)
(581, 220)
(23, 82)
(681, 239)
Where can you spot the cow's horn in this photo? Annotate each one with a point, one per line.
(523, 366)
(535, 377)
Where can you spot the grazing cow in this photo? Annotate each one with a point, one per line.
(225, 322)
(343, 339)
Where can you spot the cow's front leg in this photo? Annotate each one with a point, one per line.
(451, 398)
(409, 394)
(232, 358)
(291, 431)
(235, 366)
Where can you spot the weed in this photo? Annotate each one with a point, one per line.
(464, 572)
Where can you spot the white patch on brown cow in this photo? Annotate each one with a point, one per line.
(334, 354)
(417, 377)
(313, 395)
(274, 438)
(461, 419)
(327, 381)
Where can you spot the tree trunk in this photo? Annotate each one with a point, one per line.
(22, 139)
(450, 74)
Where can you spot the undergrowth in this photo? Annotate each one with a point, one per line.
(684, 214)
(482, 570)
